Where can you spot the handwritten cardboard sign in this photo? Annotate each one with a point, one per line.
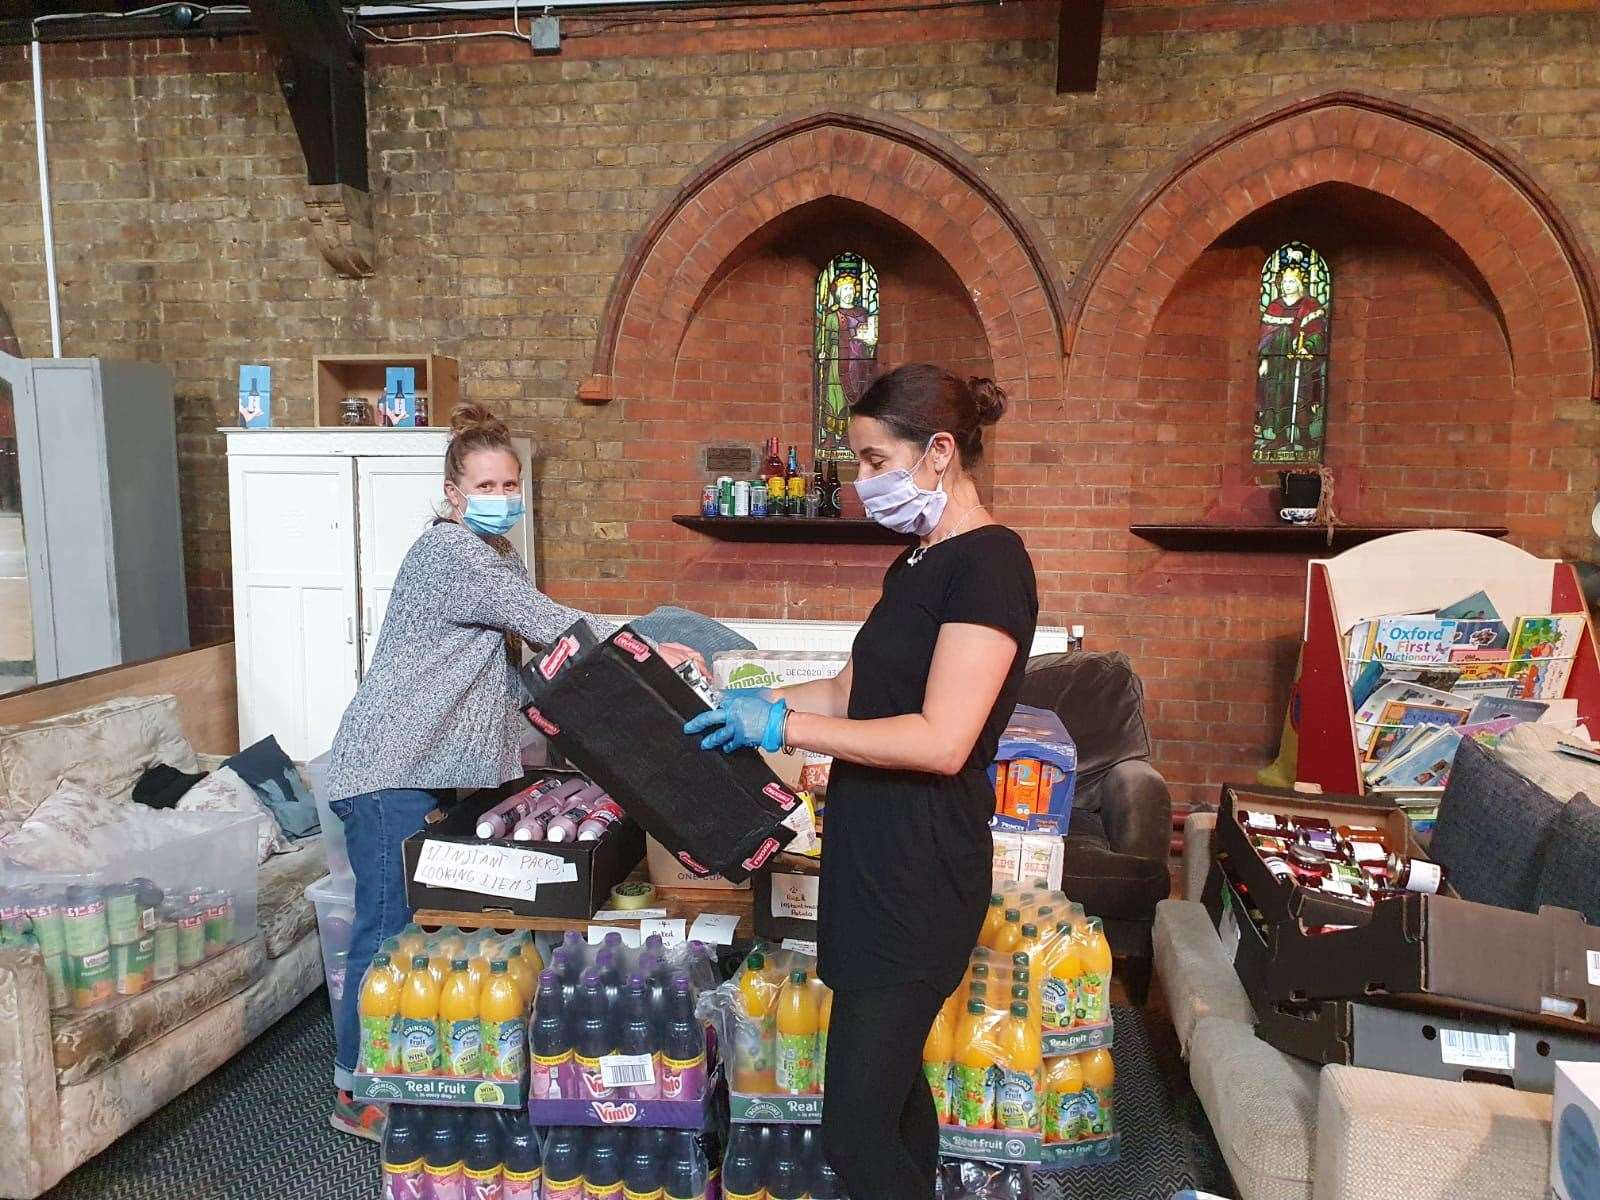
(490, 869)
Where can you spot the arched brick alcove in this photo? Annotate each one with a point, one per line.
(726, 265)
(1489, 210)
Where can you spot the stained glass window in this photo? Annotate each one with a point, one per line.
(1292, 356)
(846, 349)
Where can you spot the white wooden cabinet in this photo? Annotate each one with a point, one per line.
(321, 520)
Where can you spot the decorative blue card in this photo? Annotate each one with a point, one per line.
(255, 397)
(398, 407)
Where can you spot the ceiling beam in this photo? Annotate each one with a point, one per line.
(1078, 45)
(320, 72)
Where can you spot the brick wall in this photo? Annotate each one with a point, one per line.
(509, 190)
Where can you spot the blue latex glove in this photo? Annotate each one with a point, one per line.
(745, 718)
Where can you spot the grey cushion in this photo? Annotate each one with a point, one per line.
(1571, 875)
(668, 623)
(1492, 830)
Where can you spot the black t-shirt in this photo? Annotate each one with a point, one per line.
(906, 868)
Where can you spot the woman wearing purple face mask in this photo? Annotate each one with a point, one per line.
(912, 723)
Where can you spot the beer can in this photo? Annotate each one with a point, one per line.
(191, 936)
(92, 982)
(725, 496)
(83, 921)
(123, 914)
(708, 500)
(758, 498)
(741, 497)
(164, 964)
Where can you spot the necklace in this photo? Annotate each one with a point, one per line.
(916, 555)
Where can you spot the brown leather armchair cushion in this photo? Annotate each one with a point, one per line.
(1101, 702)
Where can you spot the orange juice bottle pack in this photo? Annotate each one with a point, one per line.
(773, 1016)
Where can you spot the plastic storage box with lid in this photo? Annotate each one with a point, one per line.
(334, 898)
(178, 889)
(316, 774)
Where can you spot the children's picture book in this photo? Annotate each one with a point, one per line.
(1443, 677)
(255, 397)
(1476, 607)
(1480, 664)
(1396, 692)
(1542, 650)
(1366, 681)
(1482, 635)
(1426, 765)
(1492, 708)
(1398, 716)
(398, 407)
(1498, 686)
(1412, 639)
(1577, 746)
(1402, 745)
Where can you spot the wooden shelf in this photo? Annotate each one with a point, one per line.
(1282, 538)
(835, 530)
(340, 375)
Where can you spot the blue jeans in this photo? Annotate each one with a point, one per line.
(375, 824)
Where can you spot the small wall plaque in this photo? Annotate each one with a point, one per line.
(730, 459)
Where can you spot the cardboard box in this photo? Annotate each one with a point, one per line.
(616, 710)
(1575, 1132)
(690, 1112)
(1543, 969)
(755, 1109)
(439, 1089)
(1244, 939)
(1040, 763)
(807, 770)
(666, 871)
(989, 1145)
(786, 899)
(466, 873)
(1288, 901)
(1024, 857)
(1455, 1045)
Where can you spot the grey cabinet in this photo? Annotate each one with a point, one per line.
(97, 463)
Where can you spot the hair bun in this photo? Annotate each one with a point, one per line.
(988, 398)
(475, 418)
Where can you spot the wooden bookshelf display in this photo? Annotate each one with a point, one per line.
(341, 375)
(833, 530)
(1416, 572)
(1278, 538)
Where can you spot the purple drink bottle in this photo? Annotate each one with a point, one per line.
(594, 1039)
(402, 1153)
(638, 1036)
(786, 1180)
(563, 1164)
(569, 969)
(551, 1045)
(441, 1156)
(519, 1156)
(686, 1168)
(480, 1157)
(683, 1046)
(602, 1166)
(643, 1173)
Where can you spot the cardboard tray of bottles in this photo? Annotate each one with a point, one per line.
(463, 1091)
(574, 879)
(774, 1109)
(1433, 950)
(623, 1107)
(1436, 1042)
(1287, 901)
(990, 1145)
(1094, 1152)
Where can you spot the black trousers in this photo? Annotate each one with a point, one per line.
(879, 1128)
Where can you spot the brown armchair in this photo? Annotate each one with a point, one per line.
(1119, 839)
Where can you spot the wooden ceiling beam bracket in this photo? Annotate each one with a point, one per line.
(321, 73)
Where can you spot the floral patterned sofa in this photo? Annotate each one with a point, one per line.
(72, 1083)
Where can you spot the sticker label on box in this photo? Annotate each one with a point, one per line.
(795, 896)
(1594, 968)
(714, 929)
(1482, 1051)
(800, 947)
(627, 1070)
(489, 869)
(668, 929)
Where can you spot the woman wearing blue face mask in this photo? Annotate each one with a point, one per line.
(438, 708)
(912, 722)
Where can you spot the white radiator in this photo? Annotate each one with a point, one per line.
(840, 635)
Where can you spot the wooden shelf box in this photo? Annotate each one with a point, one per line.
(341, 375)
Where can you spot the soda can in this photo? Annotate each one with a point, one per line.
(191, 936)
(123, 914)
(741, 497)
(164, 962)
(725, 496)
(708, 500)
(92, 981)
(83, 921)
(758, 498)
